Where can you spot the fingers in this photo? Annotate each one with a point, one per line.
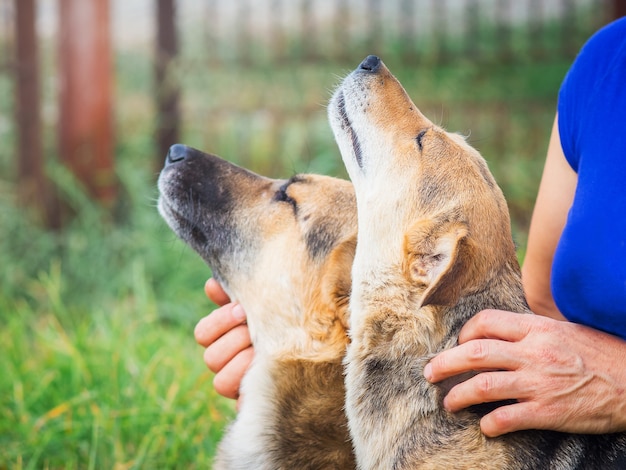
(227, 381)
(506, 326)
(226, 348)
(214, 291)
(219, 322)
(475, 355)
(515, 417)
(485, 387)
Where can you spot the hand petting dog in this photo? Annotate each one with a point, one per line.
(557, 371)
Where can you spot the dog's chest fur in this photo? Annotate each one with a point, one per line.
(283, 424)
(393, 411)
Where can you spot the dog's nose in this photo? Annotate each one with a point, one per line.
(177, 153)
(370, 64)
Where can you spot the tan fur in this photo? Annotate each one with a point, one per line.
(434, 248)
(283, 249)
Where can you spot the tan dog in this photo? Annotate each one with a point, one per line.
(434, 248)
(283, 249)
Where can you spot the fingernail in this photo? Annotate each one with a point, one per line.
(428, 372)
(446, 406)
(238, 313)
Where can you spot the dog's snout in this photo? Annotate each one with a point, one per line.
(370, 64)
(177, 153)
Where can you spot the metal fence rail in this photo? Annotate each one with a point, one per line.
(252, 31)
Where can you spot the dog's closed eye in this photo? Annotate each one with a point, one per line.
(282, 196)
(419, 139)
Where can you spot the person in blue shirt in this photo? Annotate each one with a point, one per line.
(564, 367)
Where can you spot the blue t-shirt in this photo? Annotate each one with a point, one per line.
(589, 269)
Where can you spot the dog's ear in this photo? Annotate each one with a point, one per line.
(435, 260)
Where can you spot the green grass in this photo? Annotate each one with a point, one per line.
(99, 365)
(117, 387)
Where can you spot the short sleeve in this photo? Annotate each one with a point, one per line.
(588, 279)
(582, 83)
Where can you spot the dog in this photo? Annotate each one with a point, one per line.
(434, 248)
(283, 249)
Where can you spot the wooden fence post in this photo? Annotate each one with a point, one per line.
(86, 115)
(619, 8)
(167, 87)
(34, 187)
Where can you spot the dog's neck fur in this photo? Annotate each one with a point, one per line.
(380, 314)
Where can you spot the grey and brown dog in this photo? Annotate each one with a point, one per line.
(283, 249)
(434, 248)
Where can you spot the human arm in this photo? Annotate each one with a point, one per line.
(564, 376)
(226, 338)
(554, 198)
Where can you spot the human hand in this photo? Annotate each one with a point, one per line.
(226, 338)
(564, 376)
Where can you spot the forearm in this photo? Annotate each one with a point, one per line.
(554, 199)
(539, 297)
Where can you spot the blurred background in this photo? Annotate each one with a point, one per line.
(98, 299)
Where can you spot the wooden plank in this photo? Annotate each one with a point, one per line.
(619, 8)
(86, 139)
(167, 87)
(34, 188)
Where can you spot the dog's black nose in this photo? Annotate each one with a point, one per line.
(370, 64)
(177, 153)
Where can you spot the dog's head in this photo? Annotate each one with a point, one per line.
(428, 207)
(282, 248)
